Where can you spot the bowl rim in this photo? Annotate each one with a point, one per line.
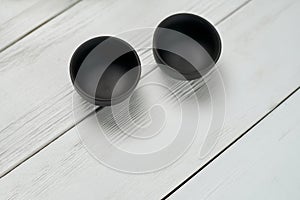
(105, 101)
(194, 16)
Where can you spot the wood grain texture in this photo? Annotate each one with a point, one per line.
(264, 164)
(36, 92)
(257, 74)
(24, 21)
(9, 9)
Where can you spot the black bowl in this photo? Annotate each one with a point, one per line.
(186, 46)
(105, 70)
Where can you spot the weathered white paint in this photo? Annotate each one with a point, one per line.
(19, 18)
(35, 88)
(264, 164)
(9, 9)
(258, 73)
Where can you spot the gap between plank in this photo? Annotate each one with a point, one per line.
(38, 26)
(228, 146)
(99, 108)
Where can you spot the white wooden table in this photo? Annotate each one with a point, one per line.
(253, 156)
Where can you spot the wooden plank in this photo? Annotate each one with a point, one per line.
(264, 164)
(23, 23)
(9, 9)
(257, 75)
(35, 89)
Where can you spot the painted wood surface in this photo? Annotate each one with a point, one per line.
(36, 92)
(20, 18)
(257, 72)
(9, 9)
(264, 164)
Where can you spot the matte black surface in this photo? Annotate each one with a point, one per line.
(105, 70)
(186, 45)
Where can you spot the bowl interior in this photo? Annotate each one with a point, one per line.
(105, 69)
(187, 43)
